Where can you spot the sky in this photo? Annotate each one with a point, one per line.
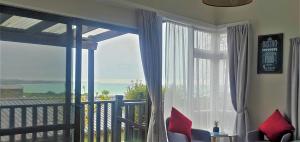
(117, 60)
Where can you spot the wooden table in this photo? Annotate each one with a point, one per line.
(215, 137)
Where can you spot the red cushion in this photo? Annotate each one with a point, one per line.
(276, 126)
(179, 123)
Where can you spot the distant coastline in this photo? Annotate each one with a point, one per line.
(17, 81)
(43, 86)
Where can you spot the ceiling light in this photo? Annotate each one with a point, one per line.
(226, 3)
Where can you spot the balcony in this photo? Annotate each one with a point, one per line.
(45, 120)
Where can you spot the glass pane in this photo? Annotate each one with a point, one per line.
(203, 40)
(32, 76)
(117, 71)
(203, 93)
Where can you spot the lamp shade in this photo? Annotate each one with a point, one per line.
(226, 3)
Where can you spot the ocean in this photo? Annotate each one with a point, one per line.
(114, 89)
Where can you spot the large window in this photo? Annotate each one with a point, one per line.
(196, 75)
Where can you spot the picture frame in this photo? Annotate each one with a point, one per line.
(270, 53)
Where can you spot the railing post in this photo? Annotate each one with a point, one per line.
(23, 121)
(12, 122)
(117, 114)
(105, 133)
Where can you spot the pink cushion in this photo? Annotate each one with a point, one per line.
(179, 123)
(275, 127)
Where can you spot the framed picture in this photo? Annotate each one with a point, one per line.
(270, 53)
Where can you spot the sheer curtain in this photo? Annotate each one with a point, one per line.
(196, 75)
(175, 52)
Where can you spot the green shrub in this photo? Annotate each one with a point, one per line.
(136, 91)
(104, 95)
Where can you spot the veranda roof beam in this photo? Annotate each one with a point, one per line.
(106, 35)
(40, 26)
(22, 36)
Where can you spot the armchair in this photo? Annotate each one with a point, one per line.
(256, 135)
(197, 135)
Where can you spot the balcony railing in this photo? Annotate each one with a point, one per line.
(106, 121)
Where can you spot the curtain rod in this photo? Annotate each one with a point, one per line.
(233, 24)
(187, 21)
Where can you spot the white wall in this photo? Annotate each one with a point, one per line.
(116, 14)
(193, 9)
(268, 91)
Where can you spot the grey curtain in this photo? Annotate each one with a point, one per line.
(150, 35)
(239, 52)
(294, 86)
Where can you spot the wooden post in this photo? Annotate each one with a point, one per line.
(68, 87)
(117, 113)
(77, 129)
(91, 95)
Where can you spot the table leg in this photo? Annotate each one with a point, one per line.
(214, 139)
(230, 139)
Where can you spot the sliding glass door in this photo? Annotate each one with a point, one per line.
(69, 79)
(35, 78)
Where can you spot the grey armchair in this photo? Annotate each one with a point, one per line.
(256, 135)
(197, 135)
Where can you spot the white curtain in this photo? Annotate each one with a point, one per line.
(176, 67)
(196, 76)
(150, 35)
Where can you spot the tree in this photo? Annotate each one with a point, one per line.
(104, 95)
